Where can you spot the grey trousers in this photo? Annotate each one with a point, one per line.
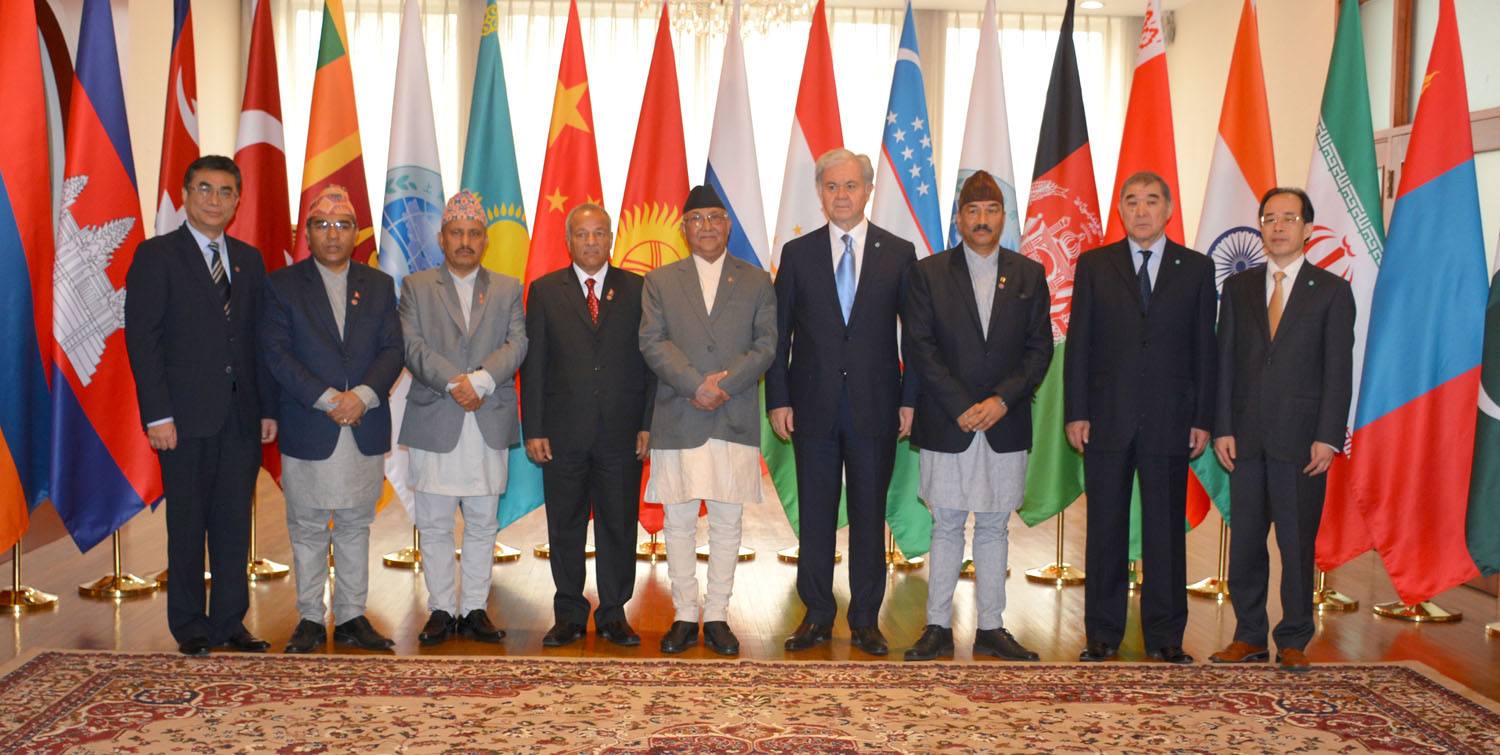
(435, 514)
(991, 550)
(307, 528)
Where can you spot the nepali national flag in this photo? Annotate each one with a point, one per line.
(179, 138)
(1413, 437)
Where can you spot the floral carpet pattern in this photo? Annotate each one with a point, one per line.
(90, 701)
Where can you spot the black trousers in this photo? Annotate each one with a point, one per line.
(1107, 478)
(1265, 491)
(604, 481)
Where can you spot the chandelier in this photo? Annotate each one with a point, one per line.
(708, 18)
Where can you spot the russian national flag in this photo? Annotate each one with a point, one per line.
(1414, 427)
(732, 168)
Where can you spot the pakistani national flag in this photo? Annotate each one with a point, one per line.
(1483, 524)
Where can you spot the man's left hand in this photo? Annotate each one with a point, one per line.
(267, 431)
(463, 392)
(642, 445)
(1197, 441)
(982, 416)
(348, 408)
(1322, 456)
(904, 417)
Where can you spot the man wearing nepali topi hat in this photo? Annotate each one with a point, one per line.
(331, 339)
(465, 336)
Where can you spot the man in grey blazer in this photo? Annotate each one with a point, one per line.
(708, 331)
(465, 337)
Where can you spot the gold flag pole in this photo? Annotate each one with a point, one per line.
(1059, 573)
(894, 558)
(119, 584)
(1133, 576)
(409, 557)
(261, 568)
(1217, 586)
(21, 599)
(652, 550)
(1492, 629)
(1327, 599)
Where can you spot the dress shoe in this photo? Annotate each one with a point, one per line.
(1098, 651)
(1000, 643)
(935, 641)
(807, 636)
(357, 632)
(476, 626)
(1241, 652)
(194, 646)
(562, 633)
(1173, 654)
(440, 626)
(870, 640)
(682, 635)
(244, 642)
(1293, 660)
(306, 637)
(619, 633)
(718, 638)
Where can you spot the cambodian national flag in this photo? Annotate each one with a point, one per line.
(1414, 427)
(103, 470)
(905, 201)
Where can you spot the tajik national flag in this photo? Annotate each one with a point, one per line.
(986, 144)
(1348, 238)
(1413, 443)
(1483, 524)
(179, 138)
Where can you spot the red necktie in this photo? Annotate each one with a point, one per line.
(593, 301)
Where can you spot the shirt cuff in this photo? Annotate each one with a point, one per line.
(325, 402)
(483, 383)
(367, 395)
(162, 421)
(1328, 446)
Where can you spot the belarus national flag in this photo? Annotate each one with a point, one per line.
(179, 138)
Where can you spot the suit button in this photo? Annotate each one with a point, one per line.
(710, 349)
(1145, 344)
(228, 369)
(597, 368)
(848, 337)
(231, 339)
(844, 374)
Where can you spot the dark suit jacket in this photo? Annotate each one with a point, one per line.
(307, 355)
(817, 353)
(582, 383)
(185, 355)
(1130, 371)
(957, 366)
(1279, 396)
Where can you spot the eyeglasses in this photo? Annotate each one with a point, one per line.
(206, 190)
(324, 225)
(695, 221)
(1289, 219)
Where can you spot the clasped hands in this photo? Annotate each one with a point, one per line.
(348, 408)
(709, 395)
(463, 392)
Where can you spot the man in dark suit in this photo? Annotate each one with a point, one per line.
(979, 338)
(1138, 382)
(586, 398)
(835, 390)
(190, 315)
(1286, 343)
(332, 340)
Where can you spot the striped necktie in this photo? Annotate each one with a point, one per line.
(216, 270)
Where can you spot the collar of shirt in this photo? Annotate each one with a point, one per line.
(597, 277)
(1158, 250)
(1291, 270)
(977, 261)
(203, 249)
(330, 277)
(836, 244)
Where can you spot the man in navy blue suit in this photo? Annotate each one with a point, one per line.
(332, 340)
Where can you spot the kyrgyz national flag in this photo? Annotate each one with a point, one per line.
(490, 156)
(1483, 524)
(103, 470)
(1062, 221)
(1348, 239)
(987, 133)
(179, 138)
(334, 155)
(1413, 442)
(25, 274)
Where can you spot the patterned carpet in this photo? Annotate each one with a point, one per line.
(78, 702)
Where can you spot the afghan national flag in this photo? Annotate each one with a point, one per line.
(25, 274)
(103, 470)
(1062, 220)
(1348, 239)
(334, 154)
(986, 144)
(490, 156)
(1483, 523)
(1413, 443)
(179, 138)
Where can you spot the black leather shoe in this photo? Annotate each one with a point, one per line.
(935, 641)
(682, 635)
(357, 632)
(477, 626)
(306, 637)
(619, 633)
(808, 636)
(562, 633)
(244, 642)
(439, 627)
(870, 640)
(718, 638)
(1098, 651)
(1172, 654)
(1000, 643)
(194, 646)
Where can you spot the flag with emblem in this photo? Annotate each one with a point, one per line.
(179, 138)
(987, 133)
(489, 168)
(1482, 526)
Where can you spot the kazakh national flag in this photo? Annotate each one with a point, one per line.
(490, 156)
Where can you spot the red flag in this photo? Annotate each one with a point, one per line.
(1147, 142)
(179, 137)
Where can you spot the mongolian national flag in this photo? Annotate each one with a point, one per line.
(179, 138)
(25, 274)
(905, 203)
(334, 154)
(1483, 525)
(1062, 220)
(987, 133)
(490, 157)
(1413, 442)
(1349, 240)
(264, 219)
(650, 232)
(103, 470)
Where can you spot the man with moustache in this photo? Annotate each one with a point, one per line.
(1138, 389)
(465, 337)
(835, 390)
(193, 300)
(332, 340)
(1286, 343)
(708, 331)
(979, 338)
(586, 399)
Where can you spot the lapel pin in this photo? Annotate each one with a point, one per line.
(730, 279)
(609, 295)
(1177, 262)
(236, 268)
(1002, 282)
(1309, 283)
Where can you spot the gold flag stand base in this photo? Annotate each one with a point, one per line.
(1328, 600)
(1217, 586)
(746, 553)
(1425, 612)
(409, 557)
(652, 550)
(544, 550)
(1059, 573)
(119, 584)
(1490, 630)
(264, 568)
(790, 555)
(1133, 576)
(20, 599)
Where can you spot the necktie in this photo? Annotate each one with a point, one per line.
(1144, 276)
(1278, 301)
(593, 301)
(216, 270)
(844, 277)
